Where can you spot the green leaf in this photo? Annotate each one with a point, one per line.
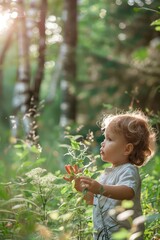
(157, 29)
(34, 149)
(21, 199)
(8, 220)
(107, 106)
(64, 190)
(27, 163)
(77, 137)
(156, 23)
(40, 160)
(65, 145)
(136, 9)
(17, 206)
(22, 154)
(153, 217)
(18, 146)
(7, 211)
(75, 145)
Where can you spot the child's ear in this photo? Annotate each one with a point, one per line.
(128, 148)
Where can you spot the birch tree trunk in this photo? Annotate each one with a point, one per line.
(26, 96)
(32, 18)
(22, 93)
(68, 81)
(42, 46)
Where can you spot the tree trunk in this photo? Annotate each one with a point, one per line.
(32, 17)
(22, 93)
(42, 47)
(68, 81)
(57, 74)
(26, 97)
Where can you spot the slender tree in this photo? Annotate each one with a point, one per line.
(42, 47)
(22, 94)
(26, 91)
(65, 68)
(68, 81)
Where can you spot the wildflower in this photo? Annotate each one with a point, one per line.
(35, 172)
(44, 232)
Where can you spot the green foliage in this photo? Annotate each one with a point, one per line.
(25, 206)
(73, 209)
(156, 23)
(140, 54)
(75, 216)
(38, 204)
(151, 198)
(30, 201)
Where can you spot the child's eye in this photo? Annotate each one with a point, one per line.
(108, 139)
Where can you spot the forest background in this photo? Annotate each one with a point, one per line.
(63, 64)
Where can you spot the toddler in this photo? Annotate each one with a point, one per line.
(129, 142)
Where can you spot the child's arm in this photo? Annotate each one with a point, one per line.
(112, 191)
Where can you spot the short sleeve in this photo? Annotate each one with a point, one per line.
(130, 178)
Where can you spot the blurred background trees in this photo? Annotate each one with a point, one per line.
(63, 63)
(80, 57)
(116, 55)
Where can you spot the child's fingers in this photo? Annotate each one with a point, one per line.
(86, 182)
(68, 179)
(84, 186)
(85, 179)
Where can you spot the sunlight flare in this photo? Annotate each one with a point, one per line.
(4, 20)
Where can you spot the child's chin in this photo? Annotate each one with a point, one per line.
(104, 160)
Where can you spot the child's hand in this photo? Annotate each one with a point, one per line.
(72, 172)
(91, 185)
(79, 185)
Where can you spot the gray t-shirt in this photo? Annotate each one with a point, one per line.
(106, 223)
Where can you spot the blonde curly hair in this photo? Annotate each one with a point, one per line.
(137, 130)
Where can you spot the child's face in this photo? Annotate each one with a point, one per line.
(113, 148)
